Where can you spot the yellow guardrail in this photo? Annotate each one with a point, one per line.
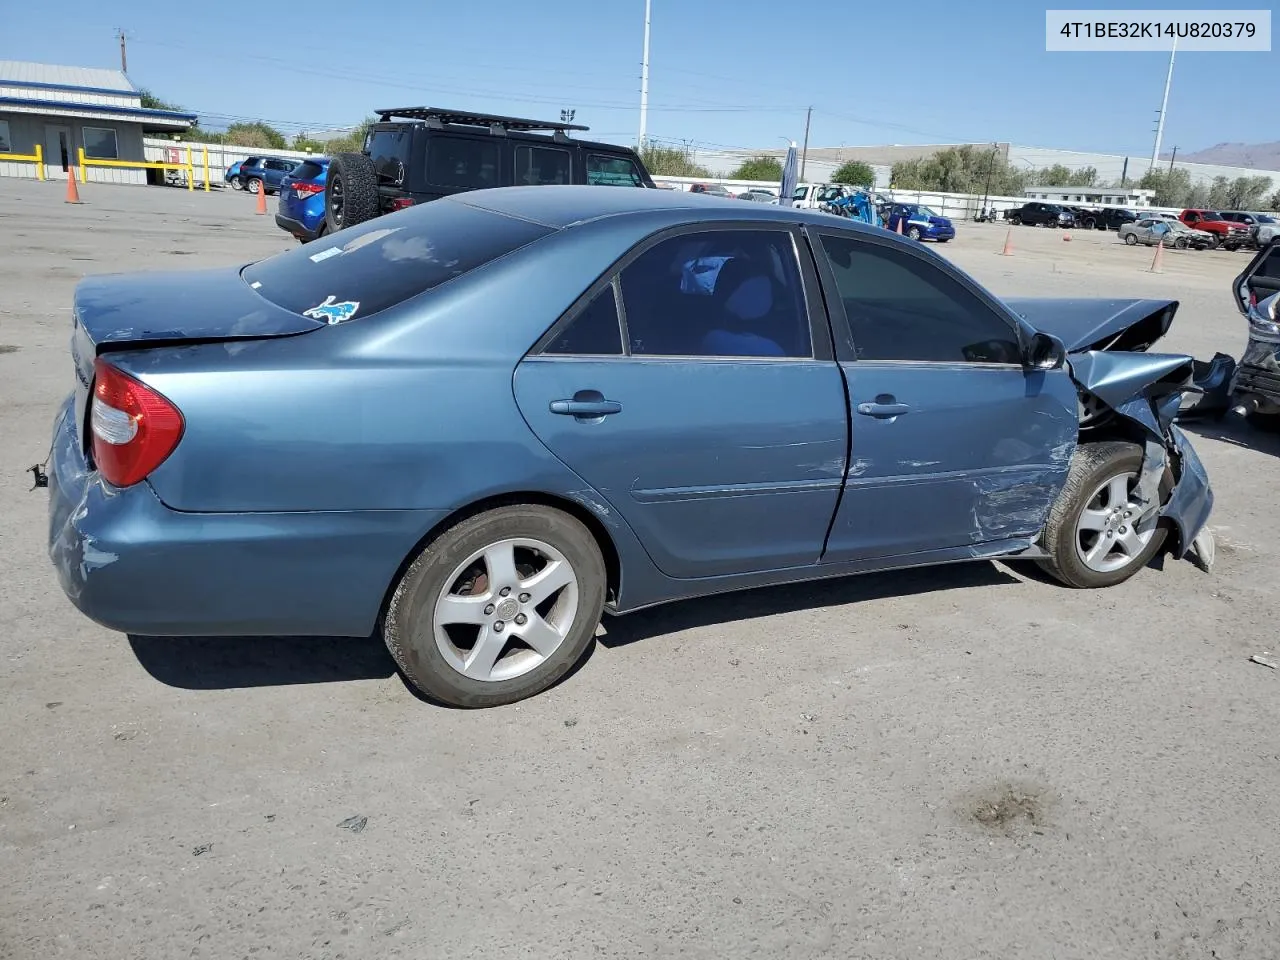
(188, 166)
(37, 158)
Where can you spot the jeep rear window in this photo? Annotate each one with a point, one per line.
(612, 171)
(385, 261)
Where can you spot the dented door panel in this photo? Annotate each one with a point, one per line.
(979, 456)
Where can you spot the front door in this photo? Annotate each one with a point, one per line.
(58, 153)
(705, 412)
(953, 442)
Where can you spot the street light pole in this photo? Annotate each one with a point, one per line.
(1164, 105)
(644, 77)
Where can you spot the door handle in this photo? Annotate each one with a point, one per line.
(882, 410)
(585, 408)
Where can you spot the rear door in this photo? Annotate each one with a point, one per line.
(953, 442)
(695, 390)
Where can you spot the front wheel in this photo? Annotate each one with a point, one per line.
(1097, 535)
(1131, 239)
(497, 608)
(1180, 243)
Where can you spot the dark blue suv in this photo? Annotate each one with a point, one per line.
(258, 173)
(301, 209)
(919, 222)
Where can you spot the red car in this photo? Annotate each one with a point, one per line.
(1225, 233)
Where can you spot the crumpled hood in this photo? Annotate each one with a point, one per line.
(1089, 323)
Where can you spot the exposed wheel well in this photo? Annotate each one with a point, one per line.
(613, 566)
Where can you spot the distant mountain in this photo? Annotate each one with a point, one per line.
(1262, 156)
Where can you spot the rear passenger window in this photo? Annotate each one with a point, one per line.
(901, 307)
(605, 171)
(722, 293)
(542, 165)
(461, 162)
(594, 331)
(389, 151)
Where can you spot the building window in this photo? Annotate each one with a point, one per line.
(6, 145)
(100, 143)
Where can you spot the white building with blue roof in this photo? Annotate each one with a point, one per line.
(66, 108)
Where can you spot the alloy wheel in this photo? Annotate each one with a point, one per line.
(1111, 532)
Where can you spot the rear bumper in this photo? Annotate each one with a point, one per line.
(130, 563)
(1259, 371)
(297, 228)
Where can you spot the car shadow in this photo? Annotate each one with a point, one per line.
(224, 663)
(771, 601)
(1236, 431)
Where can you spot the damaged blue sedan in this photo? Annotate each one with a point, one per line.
(474, 425)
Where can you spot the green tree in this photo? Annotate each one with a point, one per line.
(1274, 202)
(761, 168)
(855, 172)
(1197, 197)
(1172, 187)
(1246, 192)
(963, 169)
(1219, 192)
(353, 142)
(303, 142)
(671, 162)
(1060, 176)
(255, 134)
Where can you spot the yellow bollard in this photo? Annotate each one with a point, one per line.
(40, 162)
(205, 153)
(80, 151)
(191, 173)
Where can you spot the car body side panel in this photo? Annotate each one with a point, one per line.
(980, 456)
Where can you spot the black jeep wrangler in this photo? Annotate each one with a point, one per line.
(415, 154)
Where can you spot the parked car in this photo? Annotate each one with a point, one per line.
(1256, 385)
(232, 176)
(1037, 214)
(712, 190)
(440, 426)
(259, 173)
(1243, 216)
(759, 195)
(1264, 231)
(1172, 233)
(1106, 218)
(301, 208)
(1225, 233)
(919, 222)
(413, 155)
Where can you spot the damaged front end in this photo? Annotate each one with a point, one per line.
(1146, 391)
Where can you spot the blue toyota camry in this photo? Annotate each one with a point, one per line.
(473, 425)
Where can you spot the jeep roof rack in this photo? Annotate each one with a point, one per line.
(437, 117)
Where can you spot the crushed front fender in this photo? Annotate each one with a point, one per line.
(1146, 389)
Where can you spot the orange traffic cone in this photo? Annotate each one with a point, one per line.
(262, 198)
(1066, 236)
(1008, 244)
(73, 192)
(1157, 262)
(899, 226)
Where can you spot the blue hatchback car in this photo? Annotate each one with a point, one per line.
(474, 425)
(301, 208)
(920, 223)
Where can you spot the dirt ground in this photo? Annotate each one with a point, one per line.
(964, 762)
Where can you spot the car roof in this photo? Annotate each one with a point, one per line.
(563, 206)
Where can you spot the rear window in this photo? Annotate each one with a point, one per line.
(308, 170)
(606, 171)
(461, 162)
(385, 261)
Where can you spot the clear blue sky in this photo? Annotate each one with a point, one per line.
(722, 73)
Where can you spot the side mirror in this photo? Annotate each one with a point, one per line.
(1045, 352)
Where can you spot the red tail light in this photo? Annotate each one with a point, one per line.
(308, 189)
(134, 428)
(399, 203)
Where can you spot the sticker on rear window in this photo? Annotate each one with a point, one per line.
(331, 312)
(325, 254)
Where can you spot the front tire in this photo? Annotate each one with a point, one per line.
(1091, 535)
(497, 608)
(1131, 239)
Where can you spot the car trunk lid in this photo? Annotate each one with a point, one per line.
(129, 312)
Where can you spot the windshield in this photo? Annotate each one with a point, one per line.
(800, 193)
(387, 260)
(925, 212)
(1263, 218)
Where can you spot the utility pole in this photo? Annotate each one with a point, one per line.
(644, 77)
(1172, 158)
(991, 166)
(124, 54)
(804, 155)
(1164, 105)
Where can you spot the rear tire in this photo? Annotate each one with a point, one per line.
(351, 193)
(1131, 239)
(1075, 526)
(237, 182)
(448, 627)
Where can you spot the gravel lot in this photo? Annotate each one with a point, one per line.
(961, 762)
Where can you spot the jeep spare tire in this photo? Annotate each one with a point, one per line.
(351, 194)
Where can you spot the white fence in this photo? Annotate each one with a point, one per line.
(221, 156)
